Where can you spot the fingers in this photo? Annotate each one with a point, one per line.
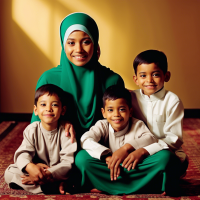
(73, 133)
(67, 127)
(116, 169)
(61, 188)
(134, 164)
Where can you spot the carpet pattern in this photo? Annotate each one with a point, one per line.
(190, 184)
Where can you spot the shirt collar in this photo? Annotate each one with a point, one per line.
(47, 132)
(154, 97)
(119, 133)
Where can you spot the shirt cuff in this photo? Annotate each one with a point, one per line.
(153, 148)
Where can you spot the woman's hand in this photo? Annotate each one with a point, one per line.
(134, 158)
(69, 131)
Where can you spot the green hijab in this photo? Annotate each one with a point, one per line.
(84, 85)
(80, 81)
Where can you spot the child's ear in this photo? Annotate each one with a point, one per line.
(103, 112)
(135, 79)
(64, 108)
(35, 110)
(167, 76)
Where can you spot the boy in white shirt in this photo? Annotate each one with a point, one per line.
(46, 155)
(161, 110)
(108, 137)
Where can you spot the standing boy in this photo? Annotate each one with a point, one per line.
(46, 155)
(161, 110)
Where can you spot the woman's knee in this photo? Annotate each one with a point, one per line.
(82, 159)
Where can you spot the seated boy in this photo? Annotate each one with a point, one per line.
(109, 136)
(161, 110)
(46, 155)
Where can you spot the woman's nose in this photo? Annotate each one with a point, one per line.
(79, 48)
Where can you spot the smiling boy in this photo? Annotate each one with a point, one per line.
(161, 110)
(46, 155)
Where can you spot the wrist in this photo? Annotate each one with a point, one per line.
(128, 148)
(145, 153)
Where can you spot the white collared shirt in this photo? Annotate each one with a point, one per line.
(102, 139)
(163, 113)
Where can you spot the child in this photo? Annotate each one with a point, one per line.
(161, 110)
(107, 137)
(46, 155)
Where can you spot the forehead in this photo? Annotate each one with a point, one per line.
(148, 68)
(78, 34)
(116, 102)
(48, 97)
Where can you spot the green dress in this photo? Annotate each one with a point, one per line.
(84, 87)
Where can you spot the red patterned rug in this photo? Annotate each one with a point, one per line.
(190, 184)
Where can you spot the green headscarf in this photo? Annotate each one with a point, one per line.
(80, 81)
(86, 84)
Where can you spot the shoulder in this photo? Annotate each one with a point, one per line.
(171, 98)
(109, 77)
(102, 123)
(135, 121)
(62, 136)
(32, 126)
(51, 76)
(135, 93)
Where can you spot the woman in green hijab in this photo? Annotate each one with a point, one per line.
(80, 74)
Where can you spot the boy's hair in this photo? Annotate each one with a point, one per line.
(151, 56)
(116, 92)
(51, 90)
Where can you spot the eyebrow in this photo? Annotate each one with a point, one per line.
(152, 72)
(81, 39)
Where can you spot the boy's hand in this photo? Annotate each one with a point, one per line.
(69, 131)
(134, 158)
(36, 173)
(117, 158)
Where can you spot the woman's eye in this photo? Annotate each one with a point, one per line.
(70, 43)
(87, 42)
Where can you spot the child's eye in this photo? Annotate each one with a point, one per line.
(55, 105)
(43, 104)
(110, 110)
(156, 75)
(142, 76)
(122, 110)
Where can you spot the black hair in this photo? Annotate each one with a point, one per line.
(51, 90)
(151, 56)
(116, 92)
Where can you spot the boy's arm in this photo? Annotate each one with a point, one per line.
(26, 151)
(139, 135)
(173, 128)
(90, 139)
(61, 170)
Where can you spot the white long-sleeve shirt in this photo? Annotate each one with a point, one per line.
(101, 138)
(163, 113)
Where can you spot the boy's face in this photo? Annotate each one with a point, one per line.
(117, 113)
(49, 108)
(79, 48)
(150, 78)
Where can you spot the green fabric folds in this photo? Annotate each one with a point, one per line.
(84, 85)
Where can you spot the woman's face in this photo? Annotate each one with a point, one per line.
(79, 48)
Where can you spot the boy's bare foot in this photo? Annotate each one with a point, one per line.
(164, 194)
(95, 191)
